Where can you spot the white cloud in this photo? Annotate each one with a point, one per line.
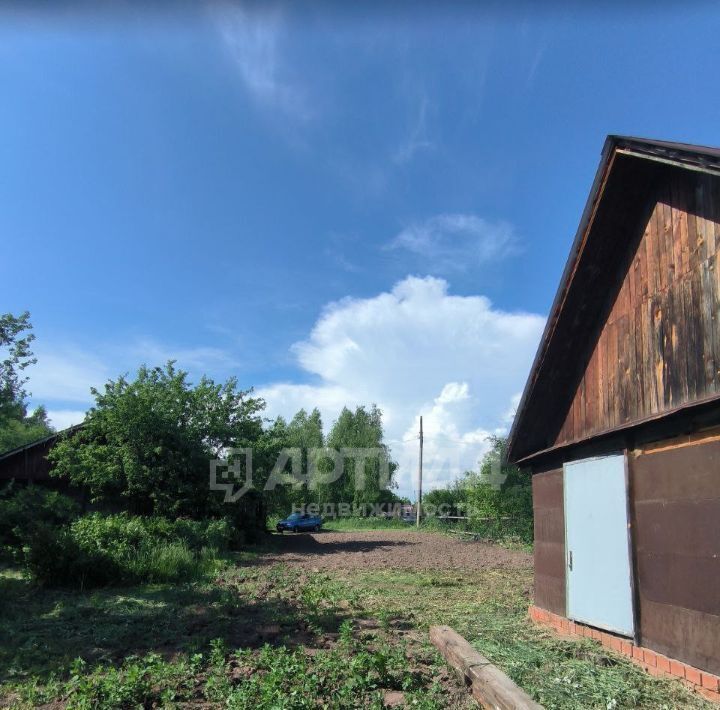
(66, 374)
(453, 392)
(512, 409)
(451, 446)
(197, 360)
(63, 418)
(414, 350)
(252, 36)
(417, 138)
(417, 350)
(455, 242)
(286, 398)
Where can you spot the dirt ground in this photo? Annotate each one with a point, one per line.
(390, 549)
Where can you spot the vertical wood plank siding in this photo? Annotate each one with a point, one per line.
(549, 547)
(659, 346)
(28, 464)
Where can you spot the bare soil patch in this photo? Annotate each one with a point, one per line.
(390, 549)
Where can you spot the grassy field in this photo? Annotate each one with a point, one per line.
(256, 635)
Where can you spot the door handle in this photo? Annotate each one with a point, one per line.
(570, 560)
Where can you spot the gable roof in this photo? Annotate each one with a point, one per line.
(39, 442)
(621, 181)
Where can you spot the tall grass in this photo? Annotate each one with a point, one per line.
(99, 550)
(513, 531)
(172, 562)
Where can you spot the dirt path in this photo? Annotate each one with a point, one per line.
(391, 549)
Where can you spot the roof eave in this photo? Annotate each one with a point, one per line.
(563, 287)
(38, 442)
(683, 155)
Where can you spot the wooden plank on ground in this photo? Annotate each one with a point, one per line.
(489, 685)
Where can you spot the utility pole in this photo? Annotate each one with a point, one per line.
(419, 500)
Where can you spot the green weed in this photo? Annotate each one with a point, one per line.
(361, 635)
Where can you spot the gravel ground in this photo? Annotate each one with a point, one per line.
(391, 549)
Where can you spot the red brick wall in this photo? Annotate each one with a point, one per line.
(707, 684)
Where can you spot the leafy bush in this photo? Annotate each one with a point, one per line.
(55, 558)
(98, 550)
(120, 534)
(496, 501)
(22, 510)
(147, 442)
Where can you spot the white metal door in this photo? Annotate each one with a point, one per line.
(599, 582)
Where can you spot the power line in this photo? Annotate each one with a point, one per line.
(455, 440)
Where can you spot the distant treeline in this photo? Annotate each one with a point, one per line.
(496, 500)
(142, 459)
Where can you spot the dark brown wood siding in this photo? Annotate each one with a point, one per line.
(28, 464)
(676, 509)
(657, 347)
(549, 541)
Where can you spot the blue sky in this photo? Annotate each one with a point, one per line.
(371, 207)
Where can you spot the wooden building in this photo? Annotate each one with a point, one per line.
(28, 464)
(620, 418)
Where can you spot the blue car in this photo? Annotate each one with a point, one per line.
(297, 522)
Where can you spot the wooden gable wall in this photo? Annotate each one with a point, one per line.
(658, 346)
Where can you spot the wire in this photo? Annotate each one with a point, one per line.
(452, 439)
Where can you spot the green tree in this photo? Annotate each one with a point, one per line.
(511, 487)
(305, 432)
(147, 443)
(288, 485)
(17, 427)
(266, 453)
(443, 500)
(497, 498)
(364, 481)
(23, 428)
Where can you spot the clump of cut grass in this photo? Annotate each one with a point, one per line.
(512, 534)
(489, 609)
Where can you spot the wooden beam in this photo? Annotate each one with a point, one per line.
(686, 408)
(489, 685)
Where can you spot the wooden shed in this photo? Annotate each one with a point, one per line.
(28, 464)
(620, 418)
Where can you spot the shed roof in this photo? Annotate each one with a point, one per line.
(619, 185)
